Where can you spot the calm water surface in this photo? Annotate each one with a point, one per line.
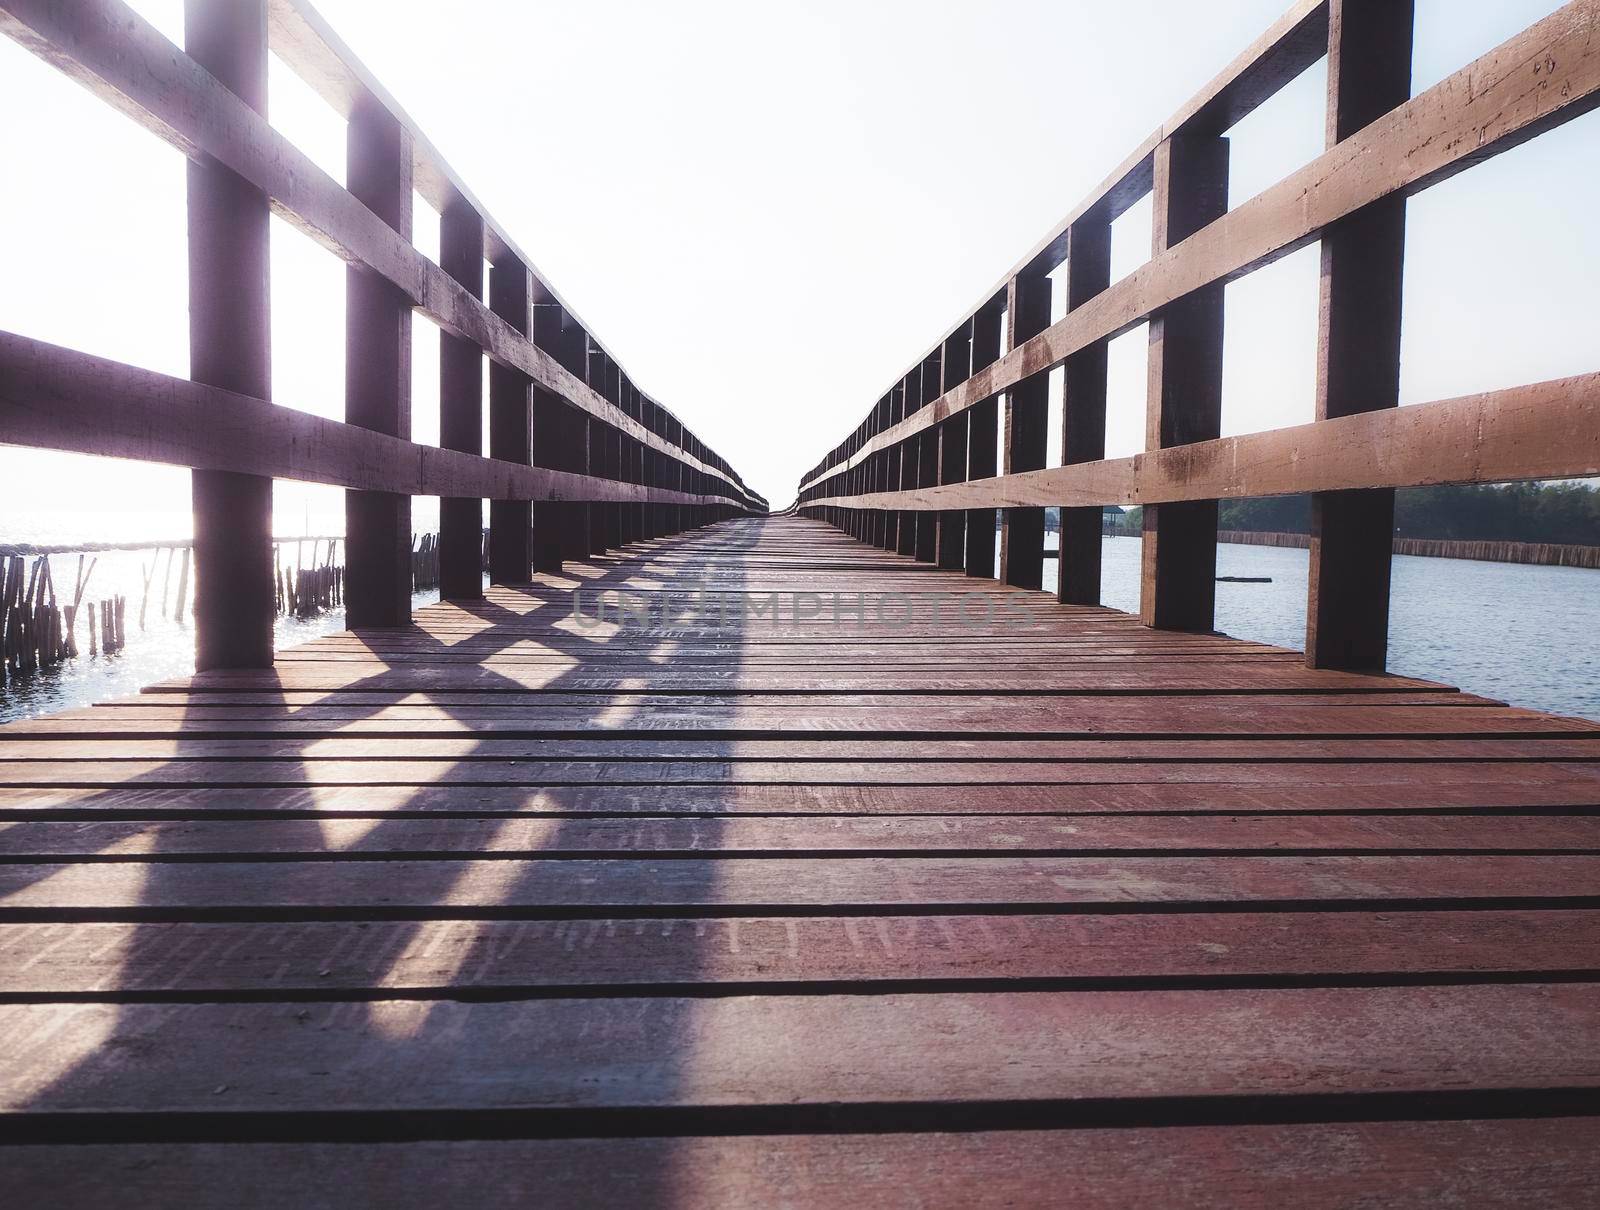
(161, 650)
(1522, 634)
(1526, 635)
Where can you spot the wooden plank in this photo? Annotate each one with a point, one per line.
(751, 955)
(1491, 1164)
(997, 756)
(1465, 790)
(1075, 1056)
(1158, 720)
(1223, 677)
(642, 886)
(1400, 774)
(851, 835)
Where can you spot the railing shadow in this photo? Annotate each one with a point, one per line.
(414, 1029)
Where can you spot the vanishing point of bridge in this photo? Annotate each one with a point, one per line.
(710, 856)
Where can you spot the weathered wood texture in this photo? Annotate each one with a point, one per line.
(778, 890)
(1358, 342)
(229, 347)
(58, 398)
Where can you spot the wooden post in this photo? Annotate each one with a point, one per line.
(461, 407)
(927, 476)
(878, 475)
(611, 514)
(635, 514)
(230, 346)
(1358, 343)
(574, 358)
(1178, 586)
(510, 426)
(956, 368)
(928, 461)
(910, 454)
(893, 458)
(1083, 415)
(983, 437)
(551, 444)
(599, 444)
(377, 373)
(1027, 426)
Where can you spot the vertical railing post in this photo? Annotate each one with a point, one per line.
(599, 446)
(1178, 586)
(927, 476)
(983, 440)
(928, 461)
(550, 444)
(627, 531)
(1358, 345)
(461, 406)
(1027, 424)
(615, 468)
(378, 372)
(950, 541)
(956, 368)
(1083, 415)
(878, 475)
(575, 360)
(675, 477)
(230, 346)
(910, 454)
(893, 458)
(511, 425)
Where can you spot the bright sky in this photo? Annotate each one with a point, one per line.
(768, 211)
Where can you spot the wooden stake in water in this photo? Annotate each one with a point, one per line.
(183, 588)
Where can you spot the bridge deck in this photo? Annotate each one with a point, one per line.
(1019, 900)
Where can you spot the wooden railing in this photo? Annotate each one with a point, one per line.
(919, 474)
(580, 459)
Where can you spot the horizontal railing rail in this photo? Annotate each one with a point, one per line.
(964, 431)
(579, 458)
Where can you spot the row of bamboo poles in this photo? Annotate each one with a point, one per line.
(1547, 554)
(306, 590)
(35, 632)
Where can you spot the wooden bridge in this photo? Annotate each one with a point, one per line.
(716, 857)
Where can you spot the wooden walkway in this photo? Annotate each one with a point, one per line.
(1016, 903)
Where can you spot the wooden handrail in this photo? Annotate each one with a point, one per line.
(581, 459)
(926, 447)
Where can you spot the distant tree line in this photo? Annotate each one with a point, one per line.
(1567, 513)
